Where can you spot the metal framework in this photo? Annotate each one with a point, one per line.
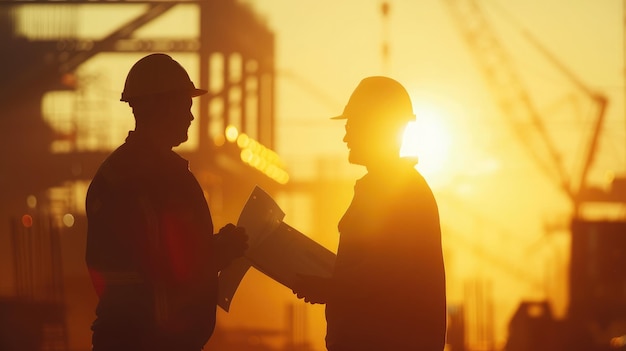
(234, 49)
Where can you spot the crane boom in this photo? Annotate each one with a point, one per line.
(509, 91)
(601, 102)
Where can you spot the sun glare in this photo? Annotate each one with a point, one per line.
(427, 139)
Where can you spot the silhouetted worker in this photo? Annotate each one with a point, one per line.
(151, 251)
(387, 291)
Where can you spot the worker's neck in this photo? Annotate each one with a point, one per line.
(389, 165)
(154, 137)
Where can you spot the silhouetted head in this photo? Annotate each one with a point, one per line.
(159, 91)
(376, 115)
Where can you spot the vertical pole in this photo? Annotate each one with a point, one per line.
(384, 9)
(203, 61)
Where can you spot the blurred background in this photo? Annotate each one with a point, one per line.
(521, 132)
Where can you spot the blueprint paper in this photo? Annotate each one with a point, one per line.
(274, 248)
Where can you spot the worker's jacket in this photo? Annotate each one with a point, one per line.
(149, 249)
(388, 287)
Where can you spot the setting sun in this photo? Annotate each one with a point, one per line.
(427, 139)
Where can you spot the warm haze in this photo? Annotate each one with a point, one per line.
(504, 218)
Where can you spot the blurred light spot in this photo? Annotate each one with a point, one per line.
(231, 133)
(246, 155)
(219, 140)
(31, 201)
(262, 158)
(27, 221)
(243, 140)
(618, 342)
(68, 220)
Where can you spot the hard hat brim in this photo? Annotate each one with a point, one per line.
(409, 118)
(197, 92)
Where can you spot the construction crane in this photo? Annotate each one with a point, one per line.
(42, 53)
(515, 101)
(597, 303)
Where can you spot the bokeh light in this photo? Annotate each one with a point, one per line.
(231, 133)
(27, 220)
(68, 220)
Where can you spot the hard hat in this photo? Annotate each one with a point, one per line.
(157, 74)
(379, 97)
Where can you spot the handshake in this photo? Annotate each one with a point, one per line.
(232, 242)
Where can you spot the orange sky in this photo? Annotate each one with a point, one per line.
(494, 202)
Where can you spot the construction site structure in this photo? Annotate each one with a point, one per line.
(46, 162)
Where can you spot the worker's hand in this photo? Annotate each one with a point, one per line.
(312, 289)
(230, 242)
